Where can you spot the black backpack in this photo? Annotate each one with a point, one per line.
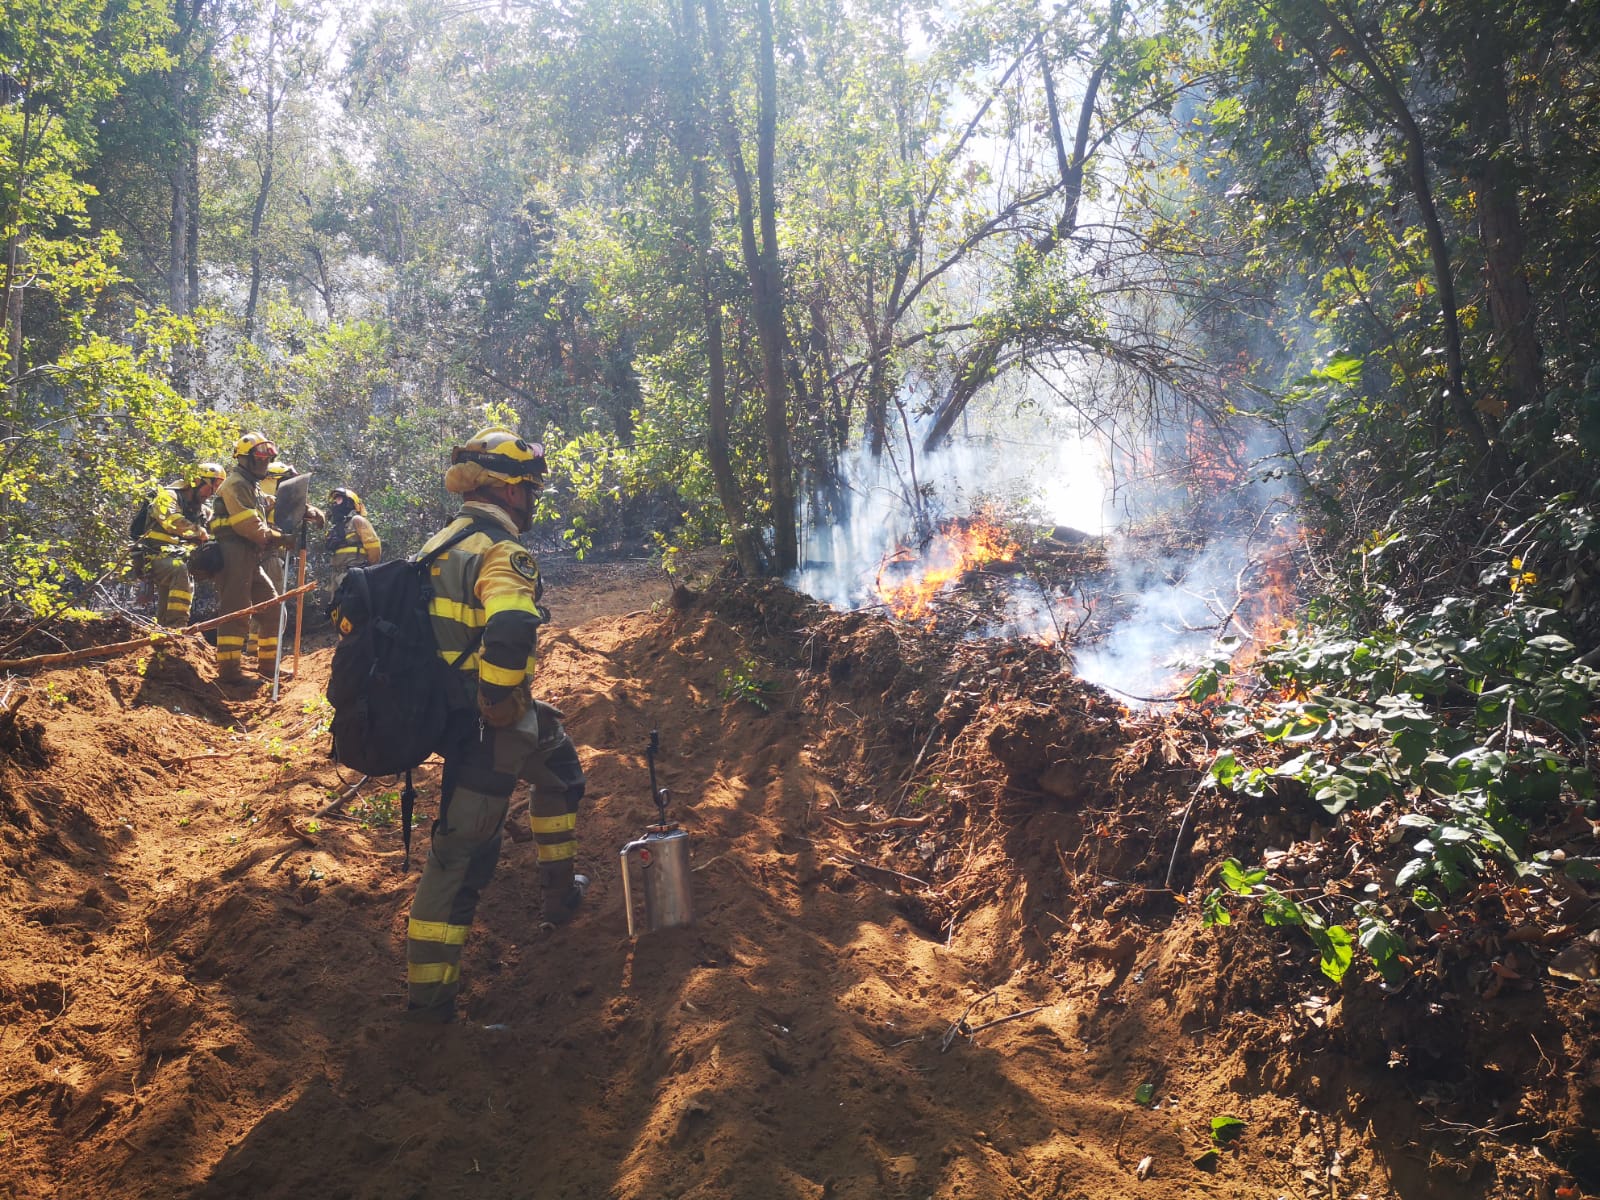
(141, 519)
(388, 683)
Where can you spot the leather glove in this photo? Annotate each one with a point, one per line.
(315, 517)
(278, 539)
(504, 712)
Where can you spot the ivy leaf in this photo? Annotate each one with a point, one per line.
(1226, 1129)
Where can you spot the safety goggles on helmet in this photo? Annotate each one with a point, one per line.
(255, 446)
(504, 455)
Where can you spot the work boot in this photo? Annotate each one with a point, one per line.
(438, 1014)
(235, 682)
(562, 892)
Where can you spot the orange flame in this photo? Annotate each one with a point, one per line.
(961, 545)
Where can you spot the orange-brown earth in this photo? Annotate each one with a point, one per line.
(934, 953)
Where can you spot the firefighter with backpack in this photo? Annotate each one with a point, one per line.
(485, 616)
(170, 522)
(239, 524)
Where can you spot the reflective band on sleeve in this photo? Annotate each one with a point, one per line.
(437, 931)
(500, 676)
(509, 602)
(432, 972)
(557, 824)
(243, 514)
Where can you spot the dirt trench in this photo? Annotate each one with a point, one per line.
(931, 959)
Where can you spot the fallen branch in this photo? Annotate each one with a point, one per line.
(114, 649)
(342, 799)
(960, 1023)
(961, 1029)
(1183, 825)
(887, 823)
(874, 868)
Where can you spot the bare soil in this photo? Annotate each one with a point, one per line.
(935, 955)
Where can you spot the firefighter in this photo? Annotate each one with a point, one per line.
(351, 539)
(241, 529)
(176, 522)
(486, 604)
(275, 562)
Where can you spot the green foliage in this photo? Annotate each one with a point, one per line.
(91, 435)
(378, 812)
(1464, 723)
(744, 683)
(1333, 942)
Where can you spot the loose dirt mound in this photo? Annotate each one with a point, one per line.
(934, 955)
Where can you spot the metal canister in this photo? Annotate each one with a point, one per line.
(663, 857)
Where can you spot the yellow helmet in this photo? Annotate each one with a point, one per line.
(255, 446)
(279, 469)
(340, 493)
(207, 472)
(504, 456)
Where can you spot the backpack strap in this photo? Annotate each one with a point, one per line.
(447, 780)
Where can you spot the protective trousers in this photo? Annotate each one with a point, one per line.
(169, 575)
(242, 584)
(466, 842)
(267, 623)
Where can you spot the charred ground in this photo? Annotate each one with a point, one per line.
(936, 951)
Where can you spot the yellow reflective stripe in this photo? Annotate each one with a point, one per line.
(244, 514)
(558, 851)
(500, 676)
(509, 602)
(224, 656)
(228, 641)
(175, 594)
(466, 664)
(436, 931)
(345, 551)
(432, 972)
(454, 610)
(559, 824)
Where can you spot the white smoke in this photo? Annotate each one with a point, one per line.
(1136, 630)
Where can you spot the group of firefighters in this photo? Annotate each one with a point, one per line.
(228, 516)
(486, 616)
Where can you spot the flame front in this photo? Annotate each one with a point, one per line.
(959, 546)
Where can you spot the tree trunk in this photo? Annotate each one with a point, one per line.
(761, 268)
(1500, 226)
(718, 441)
(258, 210)
(1422, 192)
(769, 310)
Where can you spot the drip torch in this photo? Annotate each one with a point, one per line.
(663, 858)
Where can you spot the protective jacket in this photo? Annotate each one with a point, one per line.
(352, 539)
(485, 582)
(238, 511)
(173, 518)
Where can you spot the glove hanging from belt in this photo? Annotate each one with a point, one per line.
(504, 712)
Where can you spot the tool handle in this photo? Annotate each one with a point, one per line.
(627, 884)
